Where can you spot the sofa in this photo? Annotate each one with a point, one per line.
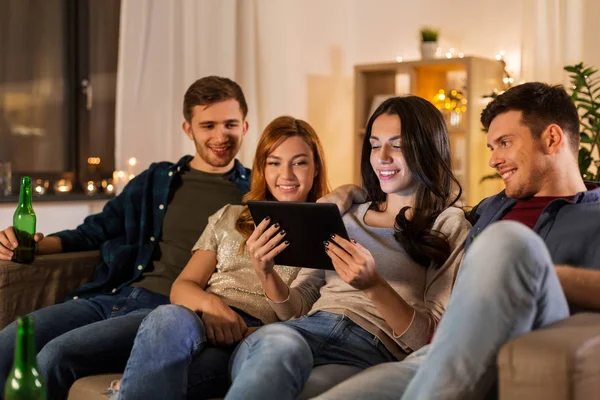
(560, 362)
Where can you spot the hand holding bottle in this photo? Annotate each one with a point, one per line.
(9, 242)
(20, 239)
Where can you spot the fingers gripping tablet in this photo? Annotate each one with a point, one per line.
(307, 226)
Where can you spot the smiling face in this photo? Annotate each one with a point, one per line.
(290, 170)
(217, 131)
(386, 156)
(517, 156)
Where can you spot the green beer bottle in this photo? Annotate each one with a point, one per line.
(24, 381)
(24, 224)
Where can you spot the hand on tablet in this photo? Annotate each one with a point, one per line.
(353, 263)
(264, 244)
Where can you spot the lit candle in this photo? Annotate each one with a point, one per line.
(119, 181)
(107, 186)
(63, 186)
(131, 167)
(41, 186)
(90, 188)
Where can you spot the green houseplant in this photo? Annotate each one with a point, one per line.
(429, 34)
(585, 92)
(429, 45)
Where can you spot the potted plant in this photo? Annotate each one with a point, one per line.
(585, 84)
(429, 44)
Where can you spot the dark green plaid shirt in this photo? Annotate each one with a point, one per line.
(129, 227)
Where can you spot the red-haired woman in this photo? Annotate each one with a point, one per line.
(217, 299)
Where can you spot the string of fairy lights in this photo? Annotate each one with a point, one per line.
(451, 102)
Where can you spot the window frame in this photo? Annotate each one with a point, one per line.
(77, 57)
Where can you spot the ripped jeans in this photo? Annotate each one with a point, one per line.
(171, 358)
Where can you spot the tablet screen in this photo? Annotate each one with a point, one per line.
(307, 226)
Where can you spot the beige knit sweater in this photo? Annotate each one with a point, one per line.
(427, 290)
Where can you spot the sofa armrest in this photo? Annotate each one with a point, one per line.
(559, 362)
(28, 287)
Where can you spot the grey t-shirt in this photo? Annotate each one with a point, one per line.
(195, 196)
(427, 290)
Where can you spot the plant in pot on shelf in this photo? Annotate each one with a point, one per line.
(586, 96)
(429, 44)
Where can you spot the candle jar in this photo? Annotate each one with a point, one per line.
(107, 186)
(90, 188)
(40, 187)
(62, 186)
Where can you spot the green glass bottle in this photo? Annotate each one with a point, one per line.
(24, 224)
(24, 381)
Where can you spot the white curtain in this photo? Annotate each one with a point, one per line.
(553, 36)
(164, 47)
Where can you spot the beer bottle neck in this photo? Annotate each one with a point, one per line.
(25, 352)
(25, 195)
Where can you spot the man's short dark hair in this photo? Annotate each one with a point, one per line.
(210, 90)
(541, 105)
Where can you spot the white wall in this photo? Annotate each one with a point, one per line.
(591, 33)
(304, 57)
(55, 216)
(305, 52)
(309, 48)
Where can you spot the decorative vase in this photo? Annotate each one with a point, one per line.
(428, 50)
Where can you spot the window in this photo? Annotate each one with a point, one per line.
(58, 87)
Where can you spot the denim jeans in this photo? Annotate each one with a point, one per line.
(506, 287)
(171, 358)
(276, 360)
(82, 337)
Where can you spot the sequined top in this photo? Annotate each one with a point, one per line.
(234, 279)
(427, 290)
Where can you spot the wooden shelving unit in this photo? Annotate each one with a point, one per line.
(474, 77)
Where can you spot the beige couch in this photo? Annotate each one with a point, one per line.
(561, 362)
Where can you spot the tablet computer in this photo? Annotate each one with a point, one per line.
(307, 226)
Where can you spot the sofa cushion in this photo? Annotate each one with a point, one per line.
(559, 362)
(28, 287)
(92, 387)
(320, 380)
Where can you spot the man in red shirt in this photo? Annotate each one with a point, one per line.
(516, 276)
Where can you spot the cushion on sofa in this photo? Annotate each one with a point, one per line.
(559, 362)
(320, 380)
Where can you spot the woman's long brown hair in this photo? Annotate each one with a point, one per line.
(425, 145)
(275, 133)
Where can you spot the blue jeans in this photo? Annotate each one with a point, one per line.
(171, 357)
(506, 287)
(82, 337)
(276, 360)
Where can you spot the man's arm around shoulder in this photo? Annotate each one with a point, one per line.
(344, 196)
